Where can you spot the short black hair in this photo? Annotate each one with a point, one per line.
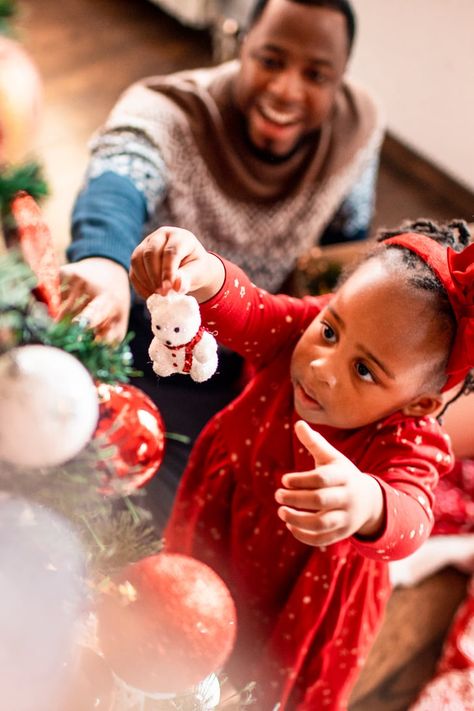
(342, 6)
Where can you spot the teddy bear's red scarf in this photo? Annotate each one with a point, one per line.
(189, 347)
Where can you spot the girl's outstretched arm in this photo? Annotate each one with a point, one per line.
(173, 258)
(333, 501)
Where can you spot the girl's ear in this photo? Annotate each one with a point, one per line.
(425, 405)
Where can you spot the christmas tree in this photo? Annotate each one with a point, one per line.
(93, 615)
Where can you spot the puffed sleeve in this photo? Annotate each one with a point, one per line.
(253, 322)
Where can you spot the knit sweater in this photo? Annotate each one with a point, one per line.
(174, 151)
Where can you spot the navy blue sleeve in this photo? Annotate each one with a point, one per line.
(107, 220)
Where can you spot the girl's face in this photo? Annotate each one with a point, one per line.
(370, 352)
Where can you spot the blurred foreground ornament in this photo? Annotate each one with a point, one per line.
(91, 685)
(165, 623)
(48, 406)
(43, 594)
(20, 101)
(131, 423)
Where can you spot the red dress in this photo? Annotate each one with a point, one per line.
(306, 615)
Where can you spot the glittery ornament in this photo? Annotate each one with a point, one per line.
(38, 250)
(165, 623)
(131, 423)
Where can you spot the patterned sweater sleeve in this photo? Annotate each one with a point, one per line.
(253, 322)
(406, 457)
(126, 182)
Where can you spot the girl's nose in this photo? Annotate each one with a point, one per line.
(324, 371)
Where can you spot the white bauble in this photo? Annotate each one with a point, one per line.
(48, 406)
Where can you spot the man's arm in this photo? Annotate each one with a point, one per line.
(126, 181)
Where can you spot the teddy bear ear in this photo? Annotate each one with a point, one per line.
(152, 301)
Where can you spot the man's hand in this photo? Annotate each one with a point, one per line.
(332, 501)
(97, 290)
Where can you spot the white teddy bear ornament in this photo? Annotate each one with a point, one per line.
(180, 344)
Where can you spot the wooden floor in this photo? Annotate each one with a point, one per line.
(88, 51)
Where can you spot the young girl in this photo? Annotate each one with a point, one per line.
(322, 470)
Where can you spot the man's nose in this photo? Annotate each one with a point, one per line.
(287, 85)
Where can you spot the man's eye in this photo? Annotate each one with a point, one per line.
(316, 77)
(328, 333)
(364, 373)
(270, 63)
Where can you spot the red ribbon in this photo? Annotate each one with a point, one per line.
(455, 270)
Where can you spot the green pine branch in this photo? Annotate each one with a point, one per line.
(27, 177)
(24, 320)
(114, 531)
(107, 363)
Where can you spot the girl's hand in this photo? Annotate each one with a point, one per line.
(332, 501)
(173, 258)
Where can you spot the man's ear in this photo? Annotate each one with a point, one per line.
(428, 404)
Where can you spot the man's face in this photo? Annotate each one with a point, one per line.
(292, 64)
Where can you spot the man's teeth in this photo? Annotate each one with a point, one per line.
(278, 116)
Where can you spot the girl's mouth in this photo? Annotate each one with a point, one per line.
(305, 398)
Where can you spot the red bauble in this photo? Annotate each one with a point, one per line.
(167, 622)
(130, 422)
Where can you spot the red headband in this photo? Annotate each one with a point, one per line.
(455, 270)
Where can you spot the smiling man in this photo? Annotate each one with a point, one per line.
(292, 64)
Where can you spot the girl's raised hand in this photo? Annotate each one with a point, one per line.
(331, 502)
(173, 258)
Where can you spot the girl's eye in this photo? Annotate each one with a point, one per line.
(329, 334)
(364, 373)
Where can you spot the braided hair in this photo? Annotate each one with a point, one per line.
(454, 234)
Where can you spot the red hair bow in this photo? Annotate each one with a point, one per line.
(455, 270)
